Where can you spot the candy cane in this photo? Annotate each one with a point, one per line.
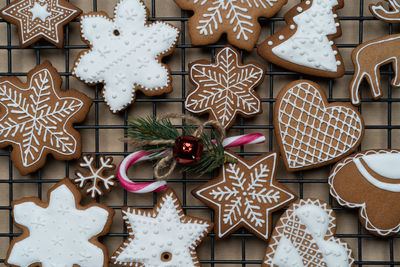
(158, 186)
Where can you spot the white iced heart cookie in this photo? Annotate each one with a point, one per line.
(125, 53)
(61, 232)
(312, 132)
(304, 236)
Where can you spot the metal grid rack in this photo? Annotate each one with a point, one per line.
(185, 48)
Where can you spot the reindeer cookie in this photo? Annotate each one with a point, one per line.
(392, 15)
(368, 58)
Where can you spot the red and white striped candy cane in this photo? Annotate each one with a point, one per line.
(158, 186)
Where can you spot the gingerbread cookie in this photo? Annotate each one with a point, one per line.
(38, 19)
(244, 195)
(225, 88)
(37, 118)
(369, 181)
(125, 53)
(60, 232)
(164, 236)
(392, 15)
(238, 19)
(96, 175)
(304, 236)
(368, 58)
(310, 131)
(306, 45)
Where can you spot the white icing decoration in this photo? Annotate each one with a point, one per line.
(297, 103)
(313, 27)
(39, 120)
(59, 234)
(307, 222)
(165, 232)
(128, 60)
(391, 15)
(363, 207)
(252, 191)
(40, 11)
(387, 165)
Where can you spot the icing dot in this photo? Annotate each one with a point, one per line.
(270, 43)
(338, 63)
(292, 27)
(281, 37)
(299, 9)
(308, 2)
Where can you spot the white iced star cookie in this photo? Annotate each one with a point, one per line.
(163, 236)
(60, 233)
(125, 53)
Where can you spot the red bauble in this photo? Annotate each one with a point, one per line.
(188, 150)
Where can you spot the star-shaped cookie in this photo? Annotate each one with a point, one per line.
(225, 88)
(61, 232)
(38, 19)
(245, 194)
(37, 118)
(160, 237)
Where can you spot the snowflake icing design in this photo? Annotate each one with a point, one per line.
(226, 88)
(60, 233)
(163, 231)
(38, 118)
(245, 194)
(125, 53)
(237, 18)
(96, 175)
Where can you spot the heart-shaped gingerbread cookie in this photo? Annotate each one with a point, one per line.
(312, 133)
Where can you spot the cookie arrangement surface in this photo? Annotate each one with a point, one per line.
(126, 53)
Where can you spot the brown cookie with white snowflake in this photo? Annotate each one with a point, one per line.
(96, 175)
(238, 19)
(225, 89)
(37, 118)
(37, 19)
(244, 195)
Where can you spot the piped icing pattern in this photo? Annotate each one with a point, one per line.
(225, 88)
(164, 236)
(304, 236)
(310, 131)
(125, 53)
(38, 118)
(307, 42)
(61, 232)
(38, 19)
(245, 194)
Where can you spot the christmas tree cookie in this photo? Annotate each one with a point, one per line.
(306, 44)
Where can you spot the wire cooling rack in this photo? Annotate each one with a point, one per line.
(211, 252)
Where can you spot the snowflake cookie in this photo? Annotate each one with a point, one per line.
(370, 182)
(238, 19)
(312, 132)
(61, 232)
(306, 45)
(226, 88)
(37, 118)
(125, 53)
(164, 236)
(96, 176)
(38, 19)
(304, 236)
(244, 195)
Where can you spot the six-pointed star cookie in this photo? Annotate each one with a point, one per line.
(60, 233)
(226, 88)
(37, 118)
(163, 236)
(245, 194)
(37, 19)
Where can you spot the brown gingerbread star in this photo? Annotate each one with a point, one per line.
(245, 194)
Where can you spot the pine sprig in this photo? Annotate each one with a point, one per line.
(150, 129)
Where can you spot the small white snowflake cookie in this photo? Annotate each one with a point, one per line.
(164, 236)
(61, 232)
(245, 194)
(125, 53)
(96, 176)
(304, 236)
(306, 44)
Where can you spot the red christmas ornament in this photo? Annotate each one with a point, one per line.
(188, 150)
